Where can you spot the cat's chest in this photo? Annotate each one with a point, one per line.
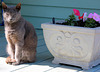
(11, 32)
(12, 36)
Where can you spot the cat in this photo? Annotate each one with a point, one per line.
(20, 35)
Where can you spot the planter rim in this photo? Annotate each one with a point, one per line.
(50, 26)
(49, 23)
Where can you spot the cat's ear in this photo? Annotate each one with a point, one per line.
(4, 6)
(18, 6)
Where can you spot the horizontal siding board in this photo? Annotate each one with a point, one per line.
(63, 3)
(0, 19)
(50, 12)
(0, 13)
(44, 11)
(37, 21)
(0, 10)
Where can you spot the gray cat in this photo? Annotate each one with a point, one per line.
(20, 35)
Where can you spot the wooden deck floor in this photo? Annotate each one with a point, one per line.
(43, 63)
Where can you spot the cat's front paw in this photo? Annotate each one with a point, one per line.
(15, 63)
(9, 60)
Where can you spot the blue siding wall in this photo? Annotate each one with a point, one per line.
(40, 11)
(0, 13)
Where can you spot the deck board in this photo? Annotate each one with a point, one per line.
(41, 42)
(40, 67)
(3, 46)
(43, 62)
(41, 49)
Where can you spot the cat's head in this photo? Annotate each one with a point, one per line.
(11, 14)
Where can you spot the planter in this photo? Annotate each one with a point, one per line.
(72, 45)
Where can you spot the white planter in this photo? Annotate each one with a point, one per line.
(73, 45)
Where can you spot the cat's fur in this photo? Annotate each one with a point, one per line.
(20, 35)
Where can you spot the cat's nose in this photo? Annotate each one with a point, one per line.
(11, 19)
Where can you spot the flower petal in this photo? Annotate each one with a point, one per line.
(81, 17)
(90, 15)
(85, 14)
(85, 17)
(76, 12)
(96, 17)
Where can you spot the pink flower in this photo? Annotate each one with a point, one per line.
(85, 17)
(81, 17)
(76, 12)
(90, 15)
(96, 17)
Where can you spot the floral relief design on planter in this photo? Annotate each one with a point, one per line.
(76, 45)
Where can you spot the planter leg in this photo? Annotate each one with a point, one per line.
(55, 61)
(86, 67)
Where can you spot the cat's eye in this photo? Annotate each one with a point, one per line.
(13, 16)
(7, 14)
